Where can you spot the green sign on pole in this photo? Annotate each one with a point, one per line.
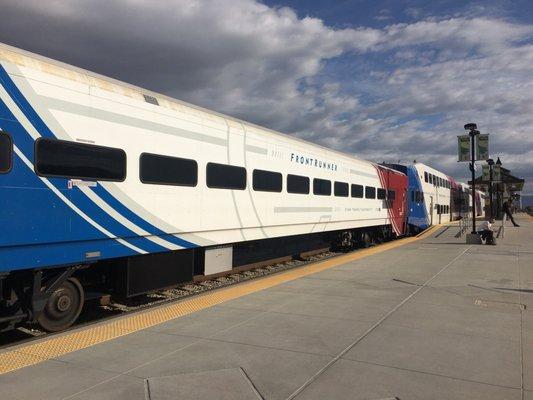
(482, 147)
(496, 174)
(464, 147)
(486, 173)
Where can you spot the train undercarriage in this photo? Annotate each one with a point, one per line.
(53, 297)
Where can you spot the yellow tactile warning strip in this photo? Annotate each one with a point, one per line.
(40, 351)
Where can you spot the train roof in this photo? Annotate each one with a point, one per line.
(67, 71)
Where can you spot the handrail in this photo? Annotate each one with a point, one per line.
(502, 227)
(464, 224)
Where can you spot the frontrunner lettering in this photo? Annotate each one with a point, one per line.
(313, 162)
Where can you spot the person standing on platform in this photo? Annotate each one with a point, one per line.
(506, 208)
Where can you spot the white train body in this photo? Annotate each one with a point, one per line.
(436, 188)
(77, 106)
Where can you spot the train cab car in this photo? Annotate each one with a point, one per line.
(428, 196)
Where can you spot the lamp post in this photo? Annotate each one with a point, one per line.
(490, 161)
(498, 195)
(473, 132)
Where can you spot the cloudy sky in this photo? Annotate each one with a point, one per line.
(386, 80)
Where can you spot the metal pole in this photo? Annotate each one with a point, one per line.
(472, 164)
(490, 192)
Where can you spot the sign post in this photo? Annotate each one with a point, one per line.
(473, 133)
(478, 147)
(488, 174)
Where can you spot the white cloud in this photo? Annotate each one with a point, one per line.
(266, 65)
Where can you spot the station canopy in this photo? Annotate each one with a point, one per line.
(511, 182)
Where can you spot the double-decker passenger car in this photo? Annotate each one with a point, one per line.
(428, 195)
(461, 201)
(109, 188)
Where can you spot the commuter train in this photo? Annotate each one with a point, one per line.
(434, 197)
(106, 188)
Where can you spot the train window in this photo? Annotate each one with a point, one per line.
(6, 153)
(429, 179)
(321, 187)
(391, 194)
(79, 160)
(417, 196)
(166, 170)
(267, 181)
(426, 176)
(357, 190)
(297, 184)
(370, 192)
(382, 194)
(413, 196)
(223, 176)
(341, 189)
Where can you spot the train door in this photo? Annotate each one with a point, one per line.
(430, 210)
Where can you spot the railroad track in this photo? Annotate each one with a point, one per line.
(94, 313)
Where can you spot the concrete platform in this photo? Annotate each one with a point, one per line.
(432, 319)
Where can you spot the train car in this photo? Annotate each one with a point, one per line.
(461, 201)
(429, 195)
(109, 188)
(481, 198)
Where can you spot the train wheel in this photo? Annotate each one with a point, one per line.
(63, 307)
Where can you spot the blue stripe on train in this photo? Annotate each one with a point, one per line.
(75, 195)
(43, 129)
(33, 214)
(137, 220)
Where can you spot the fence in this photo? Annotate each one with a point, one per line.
(465, 224)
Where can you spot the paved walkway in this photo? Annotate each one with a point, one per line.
(434, 319)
